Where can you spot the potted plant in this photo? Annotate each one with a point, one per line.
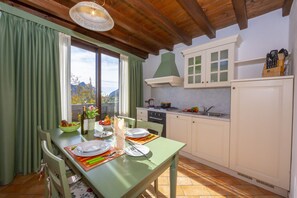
(91, 112)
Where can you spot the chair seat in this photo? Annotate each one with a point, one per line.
(80, 189)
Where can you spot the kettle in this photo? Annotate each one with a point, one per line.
(150, 102)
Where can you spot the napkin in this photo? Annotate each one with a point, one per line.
(119, 127)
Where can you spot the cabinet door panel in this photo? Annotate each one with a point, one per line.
(220, 66)
(179, 129)
(210, 140)
(261, 119)
(195, 70)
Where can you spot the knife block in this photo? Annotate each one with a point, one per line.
(279, 70)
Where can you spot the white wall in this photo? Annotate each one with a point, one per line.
(264, 33)
(293, 50)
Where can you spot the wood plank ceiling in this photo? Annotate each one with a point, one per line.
(144, 27)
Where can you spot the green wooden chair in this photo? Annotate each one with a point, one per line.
(58, 180)
(43, 135)
(155, 127)
(150, 125)
(129, 121)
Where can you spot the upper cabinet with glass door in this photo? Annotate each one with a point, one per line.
(210, 64)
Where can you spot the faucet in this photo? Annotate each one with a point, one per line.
(206, 110)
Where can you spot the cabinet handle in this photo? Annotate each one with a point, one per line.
(193, 121)
(233, 87)
(176, 116)
(202, 81)
(206, 81)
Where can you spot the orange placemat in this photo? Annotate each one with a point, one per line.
(82, 161)
(143, 140)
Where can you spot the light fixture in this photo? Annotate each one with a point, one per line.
(91, 16)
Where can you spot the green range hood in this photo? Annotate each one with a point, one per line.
(167, 73)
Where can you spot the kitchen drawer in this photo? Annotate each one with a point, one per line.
(142, 114)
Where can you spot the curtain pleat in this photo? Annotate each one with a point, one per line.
(135, 86)
(29, 92)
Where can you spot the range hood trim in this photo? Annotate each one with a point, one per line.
(173, 81)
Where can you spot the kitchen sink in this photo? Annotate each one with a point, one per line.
(212, 114)
(209, 114)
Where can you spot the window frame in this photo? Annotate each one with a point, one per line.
(98, 52)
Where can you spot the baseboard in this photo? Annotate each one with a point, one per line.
(247, 178)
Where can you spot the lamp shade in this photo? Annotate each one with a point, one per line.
(91, 16)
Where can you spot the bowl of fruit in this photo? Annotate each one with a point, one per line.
(106, 121)
(69, 126)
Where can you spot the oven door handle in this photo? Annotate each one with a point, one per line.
(160, 119)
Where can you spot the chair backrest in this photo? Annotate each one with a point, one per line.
(56, 171)
(130, 121)
(150, 125)
(43, 135)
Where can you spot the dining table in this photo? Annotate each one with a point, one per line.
(123, 176)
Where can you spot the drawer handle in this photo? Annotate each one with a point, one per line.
(233, 87)
(176, 116)
(193, 121)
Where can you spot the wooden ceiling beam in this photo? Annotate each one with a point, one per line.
(91, 34)
(196, 13)
(287, 7)
(239, 7)
(62, 12)
(157, 17)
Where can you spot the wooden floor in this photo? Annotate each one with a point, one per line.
(194, 180)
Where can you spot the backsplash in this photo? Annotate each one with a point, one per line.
(186, 98)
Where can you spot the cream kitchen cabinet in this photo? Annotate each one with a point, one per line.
(179, 129)
(210, 140)
(141, 114)
(261, 129)
(210, 64)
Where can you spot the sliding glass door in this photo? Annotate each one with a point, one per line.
(83, 79)
(94, 79)
(109, 83)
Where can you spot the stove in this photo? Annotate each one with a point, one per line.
(162, 109)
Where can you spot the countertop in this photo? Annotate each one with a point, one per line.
(192, 114)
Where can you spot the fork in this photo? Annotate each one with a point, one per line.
(133, 148)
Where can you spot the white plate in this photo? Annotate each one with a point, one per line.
(91, 148)
(137, 133)
(102, 134)
(134, 152)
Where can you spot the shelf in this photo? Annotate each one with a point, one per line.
(250, 61)
(259, 60)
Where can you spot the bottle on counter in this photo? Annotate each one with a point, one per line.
(84, 122)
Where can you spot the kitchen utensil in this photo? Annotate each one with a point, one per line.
(165, 105)
(150, 102)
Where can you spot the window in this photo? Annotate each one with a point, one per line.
(109, 84)
(94, 79)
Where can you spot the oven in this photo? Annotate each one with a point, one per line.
(158, 117)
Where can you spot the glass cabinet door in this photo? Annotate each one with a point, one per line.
(194, 70)
(219, 65)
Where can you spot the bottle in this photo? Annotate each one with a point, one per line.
(84, 122)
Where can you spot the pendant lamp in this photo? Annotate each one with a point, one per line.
(91, 16)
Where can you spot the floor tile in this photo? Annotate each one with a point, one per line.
(194, 180)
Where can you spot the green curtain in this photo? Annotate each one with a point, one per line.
(29, 92)
(135, 76)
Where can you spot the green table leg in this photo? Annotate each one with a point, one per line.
(173, 176)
